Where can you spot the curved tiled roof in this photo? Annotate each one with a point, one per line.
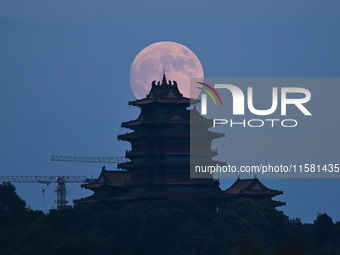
(251, 187)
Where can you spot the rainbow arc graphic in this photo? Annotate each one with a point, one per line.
(209, 93)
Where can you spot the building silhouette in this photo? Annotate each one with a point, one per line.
(159, 166)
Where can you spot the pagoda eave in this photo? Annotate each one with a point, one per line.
(159, 163)
(151, 122)
(145, 102)
(152, 135)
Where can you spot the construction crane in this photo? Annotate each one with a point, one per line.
(116, 160)
(61, 180)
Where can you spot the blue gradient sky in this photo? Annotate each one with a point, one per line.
(64, 76)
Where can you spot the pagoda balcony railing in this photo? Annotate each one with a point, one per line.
(172, 181)
(155, 151)
(137, 152)
(200, 151)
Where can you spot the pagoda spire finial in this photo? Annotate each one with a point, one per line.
(164, 78)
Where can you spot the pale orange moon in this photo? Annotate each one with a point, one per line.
(179, 62)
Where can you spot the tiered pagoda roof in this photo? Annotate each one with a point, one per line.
(253, 188)
(108, 184)
(163, 93)
(110, 178)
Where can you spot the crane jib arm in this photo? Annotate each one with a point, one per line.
(89, 159)
(45, 179)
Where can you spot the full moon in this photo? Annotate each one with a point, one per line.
(178, 62)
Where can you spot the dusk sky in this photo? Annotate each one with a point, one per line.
(64, 77)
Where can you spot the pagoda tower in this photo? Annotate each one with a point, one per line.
(159, 159)
(160, 146)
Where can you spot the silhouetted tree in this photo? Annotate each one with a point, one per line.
(172, 226)
(11, 205)
(323, 229)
